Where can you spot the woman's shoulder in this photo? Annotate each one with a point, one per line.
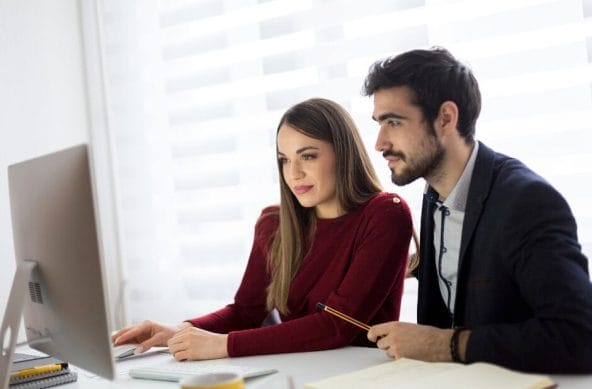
(386, 212)
(386, 208)
(268, 221)
(386, 202)
(270, 211)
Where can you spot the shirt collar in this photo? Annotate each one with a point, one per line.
(457, 199)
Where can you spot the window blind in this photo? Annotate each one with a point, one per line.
(196, 88)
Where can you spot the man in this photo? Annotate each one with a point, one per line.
(502, 278)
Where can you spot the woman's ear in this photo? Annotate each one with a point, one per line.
(447, 120)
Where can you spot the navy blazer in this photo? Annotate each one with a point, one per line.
(523, 285)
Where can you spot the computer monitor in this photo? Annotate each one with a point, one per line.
(59, 284)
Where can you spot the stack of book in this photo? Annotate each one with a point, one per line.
(44, 376)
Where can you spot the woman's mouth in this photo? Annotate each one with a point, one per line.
(302, 189)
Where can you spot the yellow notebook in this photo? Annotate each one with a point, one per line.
(411, 374)
(41, 377)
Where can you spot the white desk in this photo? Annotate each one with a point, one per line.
(301, 367)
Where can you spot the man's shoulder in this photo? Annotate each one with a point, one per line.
(514, 171)
(511, 174)
(514, 184)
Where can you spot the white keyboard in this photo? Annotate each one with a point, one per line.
(175, 371)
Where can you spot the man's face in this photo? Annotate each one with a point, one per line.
(406, 139)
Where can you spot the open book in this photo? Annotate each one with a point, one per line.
(411, 374)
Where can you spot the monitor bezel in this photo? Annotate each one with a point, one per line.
(54, 225)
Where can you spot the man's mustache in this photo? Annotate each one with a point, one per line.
(391, 153)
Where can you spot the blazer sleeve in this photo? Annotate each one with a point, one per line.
(543, 256)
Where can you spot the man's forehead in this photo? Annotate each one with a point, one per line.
(398, 94)
(391, 100)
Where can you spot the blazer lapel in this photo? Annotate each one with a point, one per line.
(430, 305)
(478, 191)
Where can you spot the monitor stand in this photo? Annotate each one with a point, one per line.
(12, 317)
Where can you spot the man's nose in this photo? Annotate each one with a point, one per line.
(382, 142)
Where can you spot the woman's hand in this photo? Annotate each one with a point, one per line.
(194, 343)
(147, 334)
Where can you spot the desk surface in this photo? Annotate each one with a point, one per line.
(300, 368)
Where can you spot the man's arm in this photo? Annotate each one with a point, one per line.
(540, 252)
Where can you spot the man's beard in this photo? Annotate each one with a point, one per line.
(424, 164)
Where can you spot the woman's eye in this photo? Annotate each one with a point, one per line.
(282, 160)
(308, 157)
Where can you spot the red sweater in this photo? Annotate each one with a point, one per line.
(355, 265)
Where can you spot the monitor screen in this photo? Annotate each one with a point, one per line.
(53, 221)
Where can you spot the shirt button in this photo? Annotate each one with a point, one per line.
(396, 200)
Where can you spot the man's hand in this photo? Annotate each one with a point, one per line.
(406, 340)
(194, 343)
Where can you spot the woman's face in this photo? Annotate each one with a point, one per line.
(309, 170)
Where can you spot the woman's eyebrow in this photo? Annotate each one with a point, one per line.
(301, 150)
(305, 148)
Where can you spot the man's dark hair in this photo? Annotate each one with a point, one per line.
(433, 76)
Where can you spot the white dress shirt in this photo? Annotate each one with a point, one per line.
(454, 213)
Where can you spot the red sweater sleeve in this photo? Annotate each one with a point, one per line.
(357, 267)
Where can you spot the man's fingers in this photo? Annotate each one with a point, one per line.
(383, 343)
(380, 330)
(391, 352)
(373, 334)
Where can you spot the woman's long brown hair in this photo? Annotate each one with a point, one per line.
(356, 182)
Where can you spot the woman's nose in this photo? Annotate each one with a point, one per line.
(295, 170)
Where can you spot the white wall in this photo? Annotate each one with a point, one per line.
(43, 103)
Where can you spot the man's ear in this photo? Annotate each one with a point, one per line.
(447, 120)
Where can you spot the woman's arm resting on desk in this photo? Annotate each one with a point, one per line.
(148, 334)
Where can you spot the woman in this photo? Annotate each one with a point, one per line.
(335, 238)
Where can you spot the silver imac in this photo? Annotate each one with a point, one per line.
(59, 287)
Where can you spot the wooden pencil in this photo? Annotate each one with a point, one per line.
(343, 316)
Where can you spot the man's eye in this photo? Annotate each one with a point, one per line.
(394, 123)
